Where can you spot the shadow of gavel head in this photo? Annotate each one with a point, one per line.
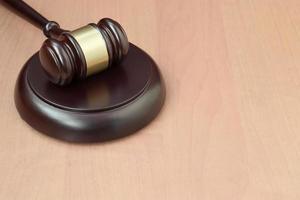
(75, 55)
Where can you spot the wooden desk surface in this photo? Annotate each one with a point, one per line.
(230, 125)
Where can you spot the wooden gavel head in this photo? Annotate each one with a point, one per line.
(70, 55)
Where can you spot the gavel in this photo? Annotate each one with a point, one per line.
(74, 55)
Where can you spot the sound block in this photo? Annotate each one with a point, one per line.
(106, 106)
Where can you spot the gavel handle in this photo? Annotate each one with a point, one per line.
(28, 12)
(50, 29)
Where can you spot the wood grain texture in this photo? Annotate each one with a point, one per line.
(231, 122)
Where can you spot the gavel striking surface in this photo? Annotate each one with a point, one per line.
(106, 106)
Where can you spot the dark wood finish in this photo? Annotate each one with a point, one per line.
(61, 56)
(50, 29)
(24, 10)
(53, 30)
(109, 105)
(63, 60)
(116, 40)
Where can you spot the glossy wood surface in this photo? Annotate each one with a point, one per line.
(231, 121)
(108, 106)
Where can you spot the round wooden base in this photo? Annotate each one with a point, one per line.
(109, 105)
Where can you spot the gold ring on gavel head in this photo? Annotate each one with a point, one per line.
(93, 47)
